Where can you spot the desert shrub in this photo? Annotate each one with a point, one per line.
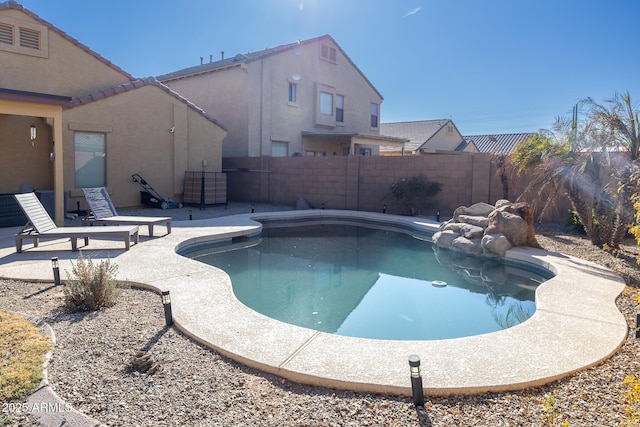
(574, 222)
(411, 196)
(91, 287)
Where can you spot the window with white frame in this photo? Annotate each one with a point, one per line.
(293, 92)
(90, 159)
(375, 113)
(279, 148)
(340, 108)
(326, 103)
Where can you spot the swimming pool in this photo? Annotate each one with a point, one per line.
(371, 282)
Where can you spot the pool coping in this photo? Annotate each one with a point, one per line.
(576, 324)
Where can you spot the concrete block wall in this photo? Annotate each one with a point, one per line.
(361, 183)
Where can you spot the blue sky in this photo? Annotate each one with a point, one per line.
(493, 66)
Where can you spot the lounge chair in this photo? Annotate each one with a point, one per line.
(103, 212)
(41, 226)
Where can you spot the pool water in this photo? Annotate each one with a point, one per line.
(372, 283)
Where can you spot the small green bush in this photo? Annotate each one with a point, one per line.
(574, 222)
(91, 287)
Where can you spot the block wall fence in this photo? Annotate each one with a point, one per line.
(361, 183)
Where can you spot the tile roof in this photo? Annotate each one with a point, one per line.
(136, 84)
(503, 143)
(418, 133)
(254, 56)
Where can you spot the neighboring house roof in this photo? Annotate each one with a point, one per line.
(255, 56)
(503, 143)
(418, 133)
(16, 6)
(136, 84)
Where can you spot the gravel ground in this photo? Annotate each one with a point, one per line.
(195, 386)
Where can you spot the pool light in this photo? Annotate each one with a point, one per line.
(166, 303)
(416, 381)
(56, 270)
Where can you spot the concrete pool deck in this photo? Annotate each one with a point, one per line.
(576, 323)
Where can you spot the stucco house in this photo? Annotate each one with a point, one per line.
(425, 136)
(306, 98)
(94, 123)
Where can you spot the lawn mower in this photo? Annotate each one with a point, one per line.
(150, 197)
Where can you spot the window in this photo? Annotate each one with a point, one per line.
(293, 92)
(374, 115)
(340, 108)
(89, 149)
(326, 103)
(328, 53)
(279, 148)
(310, 153)
(450, 130)
(365, 151)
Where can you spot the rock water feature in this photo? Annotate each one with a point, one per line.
(486, 232)
(484, 229)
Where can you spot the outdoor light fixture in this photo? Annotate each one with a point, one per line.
(166, 303)
(438, 216)
(384, 208)
(253, 208)
(416, 381)
(190, 215)
(56, 270)
(34, 132)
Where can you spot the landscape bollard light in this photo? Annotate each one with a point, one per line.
(416, 381)
(253, 208)
(166, 302)
(190, 215)
(56, 270)
(438, 216)
(323, 206)
(384, 208)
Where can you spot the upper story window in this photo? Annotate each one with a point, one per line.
(450, 129)
(326, 103)
(23, 37)
(328, 53)
(293, 92)
(375, 114)
(340, 108)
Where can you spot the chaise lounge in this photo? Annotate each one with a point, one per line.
(41, 226)
(103, 212)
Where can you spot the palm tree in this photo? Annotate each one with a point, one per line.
(616, 126)
(592, 162)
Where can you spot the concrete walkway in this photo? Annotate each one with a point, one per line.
(576, 324)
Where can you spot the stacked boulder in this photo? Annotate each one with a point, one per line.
(484, 229)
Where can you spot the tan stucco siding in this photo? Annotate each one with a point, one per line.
(137, 126)
(223, 95)
(21, 162)
(67, 69)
